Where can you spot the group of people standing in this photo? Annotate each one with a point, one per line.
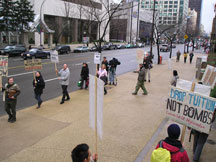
(178, 54)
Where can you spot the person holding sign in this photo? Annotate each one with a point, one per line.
(12, 90)
(81, 153)
(140, 82)
(170, 147)
(102, 74)
(64, 74)
(39, 85)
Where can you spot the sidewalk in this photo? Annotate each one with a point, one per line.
(50, 133)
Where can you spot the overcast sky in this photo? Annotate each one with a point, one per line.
(207, 14)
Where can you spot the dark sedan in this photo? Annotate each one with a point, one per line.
(35, 53)
(63, 49)
(14, 50)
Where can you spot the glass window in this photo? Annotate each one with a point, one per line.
(169, 14)
(147, 2)
(165, 6)
(182, 2)
(170, 2)
(174, 14)
(165, 10)
(169, 22)
(170, 6)
(175, 6)
(170, 10)
(160, 22)
(165, 2)
(175, 2)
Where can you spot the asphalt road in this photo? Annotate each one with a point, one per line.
(24, 79)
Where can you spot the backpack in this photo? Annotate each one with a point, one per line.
(160, 154)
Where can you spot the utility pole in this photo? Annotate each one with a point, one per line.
(137, 36)
(131, 22)
(152, 32)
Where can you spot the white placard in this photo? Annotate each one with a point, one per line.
(54, 56)
(190, 109)
(97, 57)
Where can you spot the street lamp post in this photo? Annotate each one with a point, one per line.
(152, 32)
(41, 21)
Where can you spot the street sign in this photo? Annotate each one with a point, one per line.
(34, 64)
(186, 36)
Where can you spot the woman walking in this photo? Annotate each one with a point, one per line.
(39, 85)
(84, 75)
(102, 74)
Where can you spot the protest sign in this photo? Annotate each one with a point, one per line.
(139, 56)
(97, 58)
(4, 65)
(190, 109)
(54, 56)
(209, 77)
(34, 64)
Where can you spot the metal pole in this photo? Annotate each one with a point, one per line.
(152, 32)
(138, 20)
(41, 21)
(131, 21)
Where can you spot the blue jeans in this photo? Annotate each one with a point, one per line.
(112, 75)
(38, 98)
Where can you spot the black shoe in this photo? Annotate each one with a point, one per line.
(81, 87)
(144, 80)
(145, 93)
(67, 99)
(105, 93)
(61, 102)
(10, 117)
(149, 81)
(134, 93)
(109, 83)
(86, 87)
(12, 120)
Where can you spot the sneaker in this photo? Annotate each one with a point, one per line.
(134, 93)
(145, 93)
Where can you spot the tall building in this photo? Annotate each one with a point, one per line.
(197, 6)
(170, 11)
(191, 22)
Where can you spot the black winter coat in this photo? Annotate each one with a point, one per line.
(84, 73)
(39, 86)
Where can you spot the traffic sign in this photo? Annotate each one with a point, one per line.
(186, 36)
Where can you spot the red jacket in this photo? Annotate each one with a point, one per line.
(178, 154)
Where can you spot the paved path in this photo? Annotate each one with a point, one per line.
(50, 133)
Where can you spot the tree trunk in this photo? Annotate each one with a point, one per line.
(158, 51)
(170, 49)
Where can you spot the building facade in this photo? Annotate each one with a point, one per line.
(71, 20)
(170, 11)
(191, 22)
(197, 6)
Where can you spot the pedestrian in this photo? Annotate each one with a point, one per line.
(175, 77)
(191, 56)
(173, 145)
(185, 57)
(38, 85)
(147, 62)
(105, 62)
(30, 47)
(102, 74)
(140, 81)
(112, 70)
(200, 138)
(12, 90)
(84, 75)
(178, 54)
(64, 75)
(81, 153)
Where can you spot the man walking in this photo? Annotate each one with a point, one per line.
(12, 90)
(178, 54)
(64, 74)
(140, 82)
(147, 62)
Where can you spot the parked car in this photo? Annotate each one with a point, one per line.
(121, 46)
(140, 45)
(165, 48)
(173, 46)
(63, 49)
(129, 45)
(35, 53)
(109, 46)
(81, 49)
(94, 48)
(13, 50)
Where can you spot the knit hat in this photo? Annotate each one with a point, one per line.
(174, 131)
